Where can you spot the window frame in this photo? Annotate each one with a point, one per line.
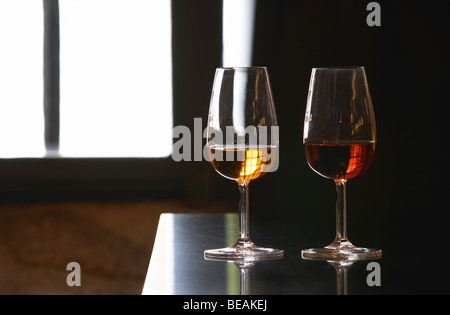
(53, 177)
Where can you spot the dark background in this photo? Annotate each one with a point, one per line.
(400, 202)
(399, 205)
(400, 199)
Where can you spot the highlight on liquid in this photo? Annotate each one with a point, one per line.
(341, 160)
(244, 164)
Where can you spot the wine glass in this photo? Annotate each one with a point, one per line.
(242, 144)
(339, 138)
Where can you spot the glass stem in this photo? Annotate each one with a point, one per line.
(244, 236)
(341, 212)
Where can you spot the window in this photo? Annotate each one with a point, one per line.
(115, 88)
(116, 85)
(238, 21)
(21, 81)
(96, 95)
(114, 73)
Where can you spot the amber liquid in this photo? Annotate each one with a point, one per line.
(244, 164)
(340, 161)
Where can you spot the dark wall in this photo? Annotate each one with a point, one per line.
(401, 199)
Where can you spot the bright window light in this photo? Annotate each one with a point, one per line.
(116, 78)
(21, 79)
(238, 21)
(161, 270)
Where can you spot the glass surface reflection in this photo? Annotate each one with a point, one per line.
(342, 269)
(244, 267)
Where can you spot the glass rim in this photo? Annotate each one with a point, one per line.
(243, 68)
(334, 68)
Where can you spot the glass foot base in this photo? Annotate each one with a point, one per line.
(341, 251)
(244, 251)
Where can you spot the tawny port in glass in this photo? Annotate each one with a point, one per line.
(242, 144)
(339, 137)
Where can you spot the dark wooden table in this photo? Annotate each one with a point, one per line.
(178, 266)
